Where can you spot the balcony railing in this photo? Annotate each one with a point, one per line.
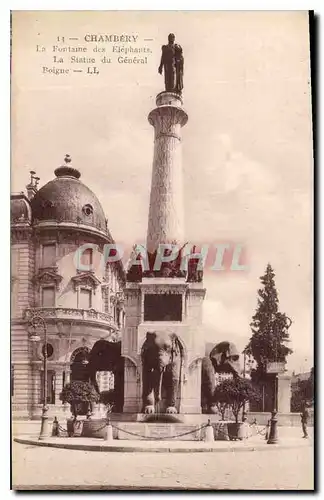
(61, 313)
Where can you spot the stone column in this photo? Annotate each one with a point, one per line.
(66, 406)
(132, 390)
(67, 376)
(166, 218)
(36, 391)
(121, 317)
(59, 407)
(58, 383)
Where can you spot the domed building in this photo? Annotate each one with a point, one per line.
(59, 239)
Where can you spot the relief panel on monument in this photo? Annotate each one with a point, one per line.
(163, 307)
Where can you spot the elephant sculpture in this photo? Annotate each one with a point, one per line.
(106, 356)
(223, 358)
(161, 361)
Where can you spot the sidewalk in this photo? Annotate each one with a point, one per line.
(254, 443)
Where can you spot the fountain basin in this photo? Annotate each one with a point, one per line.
(156, 430)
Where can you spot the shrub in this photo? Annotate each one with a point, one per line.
(108, 399)
(234, 393)
(78, 392)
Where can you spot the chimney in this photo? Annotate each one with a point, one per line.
(32, 186)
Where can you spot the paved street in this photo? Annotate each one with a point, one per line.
(282, 469)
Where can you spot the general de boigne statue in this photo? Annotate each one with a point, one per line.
(172, 63)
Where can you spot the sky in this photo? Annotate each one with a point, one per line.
(247, 146)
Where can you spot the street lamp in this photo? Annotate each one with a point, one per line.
(275, 368)
(35, 324)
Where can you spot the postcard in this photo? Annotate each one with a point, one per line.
(161, 250)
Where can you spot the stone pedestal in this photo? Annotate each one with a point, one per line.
(283, 393)
(188, 331)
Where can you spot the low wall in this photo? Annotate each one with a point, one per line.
(284, 419)
(96, 428)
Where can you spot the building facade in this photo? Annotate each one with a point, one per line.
(59, 271)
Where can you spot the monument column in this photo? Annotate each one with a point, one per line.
(166, 218)
(176, 313)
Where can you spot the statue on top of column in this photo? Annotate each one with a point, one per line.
(172, 63)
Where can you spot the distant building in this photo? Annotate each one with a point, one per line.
(48, 278)
(301, 389)
(298, 377)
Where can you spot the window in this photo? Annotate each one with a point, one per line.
(162, 307)
(85, 297)
(87, 210)
(49, 255)
(50, 387)
(48, 296)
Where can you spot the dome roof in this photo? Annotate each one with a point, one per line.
(66, 199)
(20, 210)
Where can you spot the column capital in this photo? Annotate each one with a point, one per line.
(167, 115)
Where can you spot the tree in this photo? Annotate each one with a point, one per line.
(304, 393)
(234, 393)
(311, 387)
(269, 326)
(78, 392)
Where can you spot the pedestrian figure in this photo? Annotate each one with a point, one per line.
(304, 420)
(267, 429)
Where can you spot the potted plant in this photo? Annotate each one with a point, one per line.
(235, 393)
(107, 398)
(78, 393)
